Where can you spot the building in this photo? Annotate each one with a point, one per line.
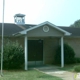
(41, 41)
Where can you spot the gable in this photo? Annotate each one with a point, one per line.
(56, 30)
(39, 32)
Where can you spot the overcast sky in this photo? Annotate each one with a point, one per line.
(59, 12)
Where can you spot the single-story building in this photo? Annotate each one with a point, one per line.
(41, 41)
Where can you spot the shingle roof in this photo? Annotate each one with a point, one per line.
(74, 31)
(27, 26)
(11, 28)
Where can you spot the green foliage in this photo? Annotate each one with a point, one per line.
(77, 68)
(69, 55)
(77, 60)
(76, 24)
(13, 55)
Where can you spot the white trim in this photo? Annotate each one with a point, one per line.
(46, 23)
(26, 52)
(62, 52)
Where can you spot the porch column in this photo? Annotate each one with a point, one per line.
(62, 52)
(26, 52)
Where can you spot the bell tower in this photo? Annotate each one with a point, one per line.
(19, 19)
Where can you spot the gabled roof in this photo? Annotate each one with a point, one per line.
(11, 28)
(42, 24)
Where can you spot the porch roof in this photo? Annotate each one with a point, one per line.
(66, 33)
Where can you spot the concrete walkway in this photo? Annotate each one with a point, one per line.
(54, 71)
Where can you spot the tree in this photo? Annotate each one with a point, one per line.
(76, 24)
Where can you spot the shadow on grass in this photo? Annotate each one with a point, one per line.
(69, 67)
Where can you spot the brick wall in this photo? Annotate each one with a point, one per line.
(75, 44)
(50, 45)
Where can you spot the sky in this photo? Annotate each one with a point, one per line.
(58, 12)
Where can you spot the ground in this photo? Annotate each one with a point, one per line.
(27, 75)
(42, 73)
(64, 73)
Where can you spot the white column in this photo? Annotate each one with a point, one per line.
(62, 52)
(26, 53)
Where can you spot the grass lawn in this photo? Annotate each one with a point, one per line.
(27, 75)
(69, 67)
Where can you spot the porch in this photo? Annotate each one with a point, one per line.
(51, 35)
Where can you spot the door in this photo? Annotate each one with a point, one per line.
(35, 52)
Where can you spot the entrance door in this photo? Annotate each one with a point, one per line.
(35, 52)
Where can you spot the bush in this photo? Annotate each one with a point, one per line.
(77, 68)
(69, 55)
(77, 60)
(13, 55)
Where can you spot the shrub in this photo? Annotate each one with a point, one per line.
(69, 55)
(77, 68)
(77, 60)
(13, 55)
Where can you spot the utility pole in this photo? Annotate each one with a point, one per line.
(2, 38)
